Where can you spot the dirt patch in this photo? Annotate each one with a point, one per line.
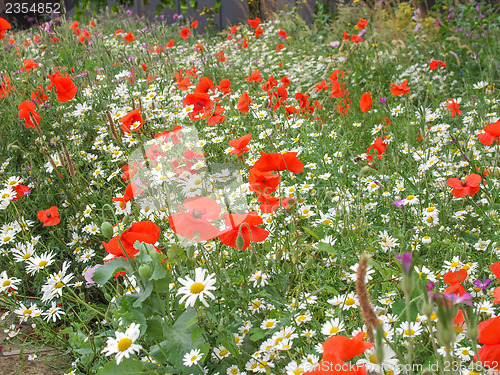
(45, 364)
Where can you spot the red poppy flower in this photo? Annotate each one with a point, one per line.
(434, 64)
(400, 89)
(362, 23)
(495, 268)
(244, 225)
(366, 102)
(254, 76)
(65, 88)
(201, 103)
(49, 217)
(254, 23)
(193, 220)
(469, 186)
(263, 182)
(258, 32)
(5, 86)
(39, 95)
(142, 231)
(279, 162)
(174, 135)
(356, 38)
(185, 33)
(271, 82)
(491, 133)
(170, 44)
(217, 117)
(240, 145)
(455, 280)
(321, 86)
(224, 86)
(270, 204)
(377, 148)
(194, 24)
(282, 34)
(4, 26)
(244, 102)
(29, 64)
(130, 119)
(338, 349)
(182, 82)
(345, 36)
(220, 56)
(25, 108)
(489, 354)
(279, 47)
(285, 81)
(204, 85)
(130, 191)
(454, 107)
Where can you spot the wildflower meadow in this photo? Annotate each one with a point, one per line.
(278, 197)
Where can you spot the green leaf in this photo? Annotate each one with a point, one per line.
(322, 246)
(129, 366)
(145, 294)
(179, 343)
(108, 269)
(308, 231)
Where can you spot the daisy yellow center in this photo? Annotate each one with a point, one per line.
(27, 312)
(6, 239)
(43, 263)
(482, 308)
(454, 264)
(59, 285)
(197, 288)
(234, 371)
(26, 256)
(193, 358)
(299, 371)
(6, 283)
(256, 304)
(223, 352)
(124, 344)
(334, 329)
(434, 316)
(409, 332)
(269, 324)
(373, 359)
(350, 301)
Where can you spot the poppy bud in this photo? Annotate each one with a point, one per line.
(427, 308)
(126, 220)
(365, 171)
(119, 289)
(107, 296)
(25, 81)
(13, 147)
(496, 173)
(253, 259)
(107, 229)
(445, 334)
(240, 242)
(145, 271)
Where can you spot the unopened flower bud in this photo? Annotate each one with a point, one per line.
(145, 271)
(107, 229)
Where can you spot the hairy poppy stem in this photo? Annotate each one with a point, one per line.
(71, 169)
(367, 312)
